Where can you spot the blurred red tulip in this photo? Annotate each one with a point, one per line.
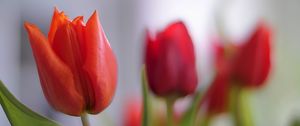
(253, 61)
(133, 113)
(221, 60)
(170, 62)
(76, 65)
(217, 96)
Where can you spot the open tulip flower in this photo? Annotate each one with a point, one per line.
(76, 65)
(170, 62)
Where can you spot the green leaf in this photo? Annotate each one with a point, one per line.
(295, 122)
(146, 100)
(18, 114)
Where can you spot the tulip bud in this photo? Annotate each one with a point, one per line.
(253, 61)
(133, 113)
(217, 95)
(76, 65)
(170, 62)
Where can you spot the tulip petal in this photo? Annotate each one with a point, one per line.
(58, 19)
(253, 61)
(185, 57)
(167, 67)
(170, 62)
(100, 64)
(218, 94)
(56, 78)
(66, 46)
(79, 27)
(152, 63)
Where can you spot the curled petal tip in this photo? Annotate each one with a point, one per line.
(29, 27)
(56, 10)
(95, 13)
(93, 17)
(148, 35)
(78, 19)
(179, 23)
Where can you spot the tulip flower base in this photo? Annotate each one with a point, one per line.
(18, 114)
(84, 120)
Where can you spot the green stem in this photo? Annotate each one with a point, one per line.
(170, 120)
(190, 116)
(247, 117)
(241, 109)
(84, 120)
(235, 105)
(146, 100)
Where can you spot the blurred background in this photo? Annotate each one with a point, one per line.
(124, 22)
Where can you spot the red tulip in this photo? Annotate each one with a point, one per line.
(221, 60)
(133, 113)
(76, 65)
(217, 96)
(170, 62)
(253, 62)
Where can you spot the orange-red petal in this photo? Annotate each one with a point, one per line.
(100, 65)
(56, 78)
(58, 19)
(79, 27)
(66, 47)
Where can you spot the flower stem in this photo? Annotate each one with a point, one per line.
(241, 109)
(146, 100)
(170, 102)
(246, 109)
(84, 120)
